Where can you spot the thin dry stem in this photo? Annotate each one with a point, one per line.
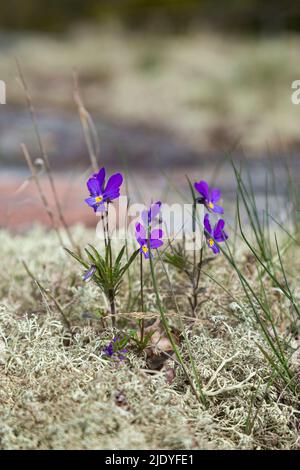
(44, 156)
(90, 135)
(88, 126)
(47, 293)
(40, 190)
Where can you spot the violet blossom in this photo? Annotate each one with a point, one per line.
(216, 234)
(151, 215)
(146, 244)
(112, 350)
(87, 275)
(209, 197)
(101, 193)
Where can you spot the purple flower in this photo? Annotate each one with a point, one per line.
(113, 351)
(153, 242)
(214, 235)
(150, 215)
(209, 197)
(87, 276)
(101, 193)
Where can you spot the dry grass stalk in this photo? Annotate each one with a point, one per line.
(88, 126)
(40, 190)
(44, 156)
(48, 294)
(90, 137)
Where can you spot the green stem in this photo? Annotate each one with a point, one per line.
(142, 324)
(194, 300)
(104, 229)
(111, 292)
(113, 310)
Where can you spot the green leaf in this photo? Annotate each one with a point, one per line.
(130, 261)
(191, 188)
(78, 258)
(120, 255)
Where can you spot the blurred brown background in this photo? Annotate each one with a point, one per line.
(174, 87)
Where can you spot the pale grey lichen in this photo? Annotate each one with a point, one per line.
(61, 394)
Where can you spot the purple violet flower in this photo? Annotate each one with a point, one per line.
(87, 275)
(209, 197)
(214, 235)
(150, 215)
(112, 350)
(101, 193)
(153, 242)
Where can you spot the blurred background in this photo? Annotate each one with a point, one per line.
(174, 88)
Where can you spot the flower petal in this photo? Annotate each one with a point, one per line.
(114, 194)
(89, 273)
(217, 209)
(215, 249)
(140, 231)
(202, 188)
(100, 207)
(215, 195)
(93, 186)
(145, 217)
(154, 210)
(207, 225)
(156, 234)
(149, 216)
(112, 189)
(90, 201)
(156, 243)
(219, 234)
(100, 176)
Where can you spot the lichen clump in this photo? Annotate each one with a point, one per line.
(60, 393)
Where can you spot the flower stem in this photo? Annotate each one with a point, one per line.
(111, 292)
(142, 324)
(113, 310)
(194, 300)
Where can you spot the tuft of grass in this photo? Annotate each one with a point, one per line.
(269, 271)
